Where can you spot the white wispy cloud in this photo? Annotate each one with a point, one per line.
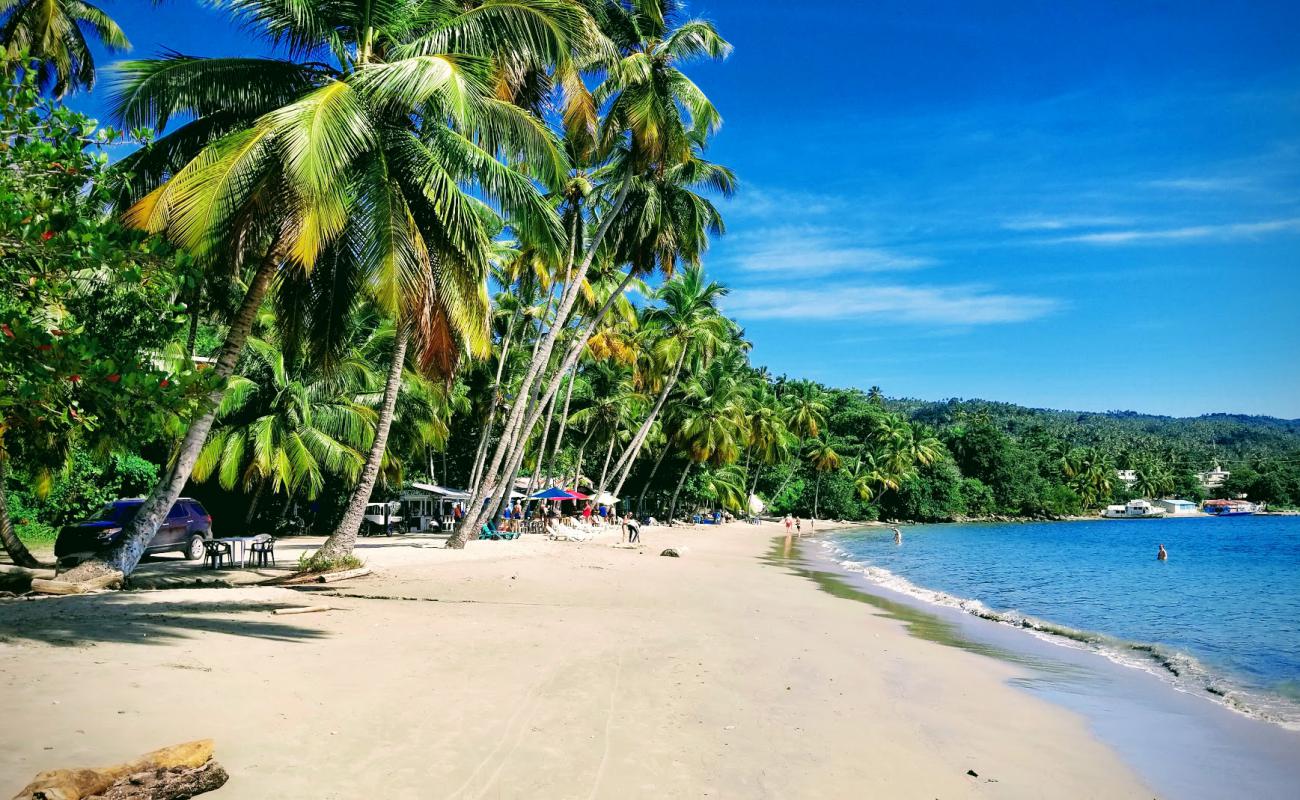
(1235, 230)
(1202, 184)
(760, 202)
(932, 305)
(812, 250)
(1061, 223)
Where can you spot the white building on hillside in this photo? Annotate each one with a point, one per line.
(1127, 476)
(1215, 478)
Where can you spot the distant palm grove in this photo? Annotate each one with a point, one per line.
(456, 242)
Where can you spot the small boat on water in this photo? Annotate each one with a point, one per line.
(1133, 509)
(1229, 508)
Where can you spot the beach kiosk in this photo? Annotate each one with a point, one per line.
(428, 506)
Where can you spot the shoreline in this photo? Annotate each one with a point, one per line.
(1133, 707)
(543, 670)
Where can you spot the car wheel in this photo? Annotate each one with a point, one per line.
(195, 551)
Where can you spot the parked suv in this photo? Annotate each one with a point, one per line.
(184, 529)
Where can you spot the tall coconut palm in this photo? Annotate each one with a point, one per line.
(823, 458)
(874, 477)
(806, 413)
(285, 429)
(654, 116)
(724, 486)
(769, 438)
(608, 412)
(687, 323)
(710, 422)
(52, 33)
(361, 162)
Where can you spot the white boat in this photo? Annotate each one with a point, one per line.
(1133, 509)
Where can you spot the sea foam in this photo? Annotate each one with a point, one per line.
(1179, 669)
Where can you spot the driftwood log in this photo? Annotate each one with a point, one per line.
(176, 783)
(320, 577)
(302, 610)
(107, 581)
(180, 769)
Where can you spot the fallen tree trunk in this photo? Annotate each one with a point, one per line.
(331, 577)
(319, 577)
(24, 572)
(109, 580)
(83, 784)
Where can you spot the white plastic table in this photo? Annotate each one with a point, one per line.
(243, 542)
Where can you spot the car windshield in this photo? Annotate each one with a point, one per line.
(118, 512)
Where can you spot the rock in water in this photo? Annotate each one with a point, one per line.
(671, 553)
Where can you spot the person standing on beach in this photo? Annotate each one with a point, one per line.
(1162, 555)
(789, 523)
(798, 527)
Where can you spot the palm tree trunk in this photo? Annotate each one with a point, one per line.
(344, 537)
(640, 500)
(582, 450)
(817, 493)
(480, 455)
(515, 423)
(786, 482)
(128, 552)
(541, 446)
(192, 339)
(672, 505)
(252, 507)
(604, 471)
(499, 497)
(624, 466)
(753, 489)
(18, 552)
(571, 360)
(564, 423)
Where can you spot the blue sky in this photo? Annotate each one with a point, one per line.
(1092, 205)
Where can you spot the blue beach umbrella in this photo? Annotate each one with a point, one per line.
(551, 494)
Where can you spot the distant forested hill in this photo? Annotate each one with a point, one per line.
(1197, 441)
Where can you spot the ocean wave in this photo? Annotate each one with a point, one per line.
(1180, 669)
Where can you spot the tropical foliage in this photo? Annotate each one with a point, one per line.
(461, 242)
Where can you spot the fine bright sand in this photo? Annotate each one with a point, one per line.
(544, 670)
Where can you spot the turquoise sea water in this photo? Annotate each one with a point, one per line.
(1220, 618)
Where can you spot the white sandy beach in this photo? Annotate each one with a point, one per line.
(544, 670)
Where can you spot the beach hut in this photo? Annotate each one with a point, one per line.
(428, 506)
(1174, 506)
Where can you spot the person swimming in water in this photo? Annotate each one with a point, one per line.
(898, 536)
(1162, 555)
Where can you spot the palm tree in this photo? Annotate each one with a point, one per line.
(1153, 480)
(806, 412)
(873, 477)
(824, 459)
(710, 421)
(286, 429)
(359, 165)
(769, 438)
(655, 120)
(687, 324)
(724, 486)
(52, 33)
(613, 403)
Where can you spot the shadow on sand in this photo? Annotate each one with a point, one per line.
(128, 618)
